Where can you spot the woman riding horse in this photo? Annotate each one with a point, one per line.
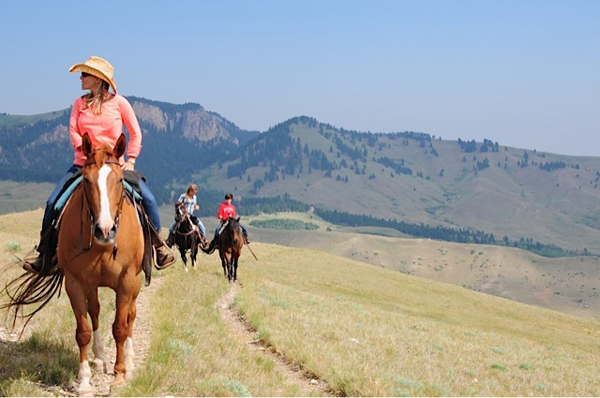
(226, 211)
(101, 114)
(185, 235)
(100, 244)
(191, 203)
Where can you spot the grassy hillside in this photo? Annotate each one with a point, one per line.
(18, 197)
(367, 331)
(568, 284)
(13, 120)
(417, 178)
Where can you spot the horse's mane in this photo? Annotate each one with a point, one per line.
(231, 233)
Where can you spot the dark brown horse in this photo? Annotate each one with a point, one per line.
(231, 241)
(186, 235)
(100, 244)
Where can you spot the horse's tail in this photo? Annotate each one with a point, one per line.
(30, 289)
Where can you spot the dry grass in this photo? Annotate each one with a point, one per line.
(365, 330)
(193, 352)
(567, 284)
(374, 332)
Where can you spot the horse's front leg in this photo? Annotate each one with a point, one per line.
(83, 334)
(235, 265)
(97, 346)
(184, 258)
(121, 327)
(230, 268)
(223, 263)
(129, 352)
(194, 253)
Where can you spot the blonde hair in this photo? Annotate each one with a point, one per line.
(95, 98)
(192, 187)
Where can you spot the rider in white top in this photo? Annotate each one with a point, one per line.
(189, 200)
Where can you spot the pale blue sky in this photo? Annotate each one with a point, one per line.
(523, 73)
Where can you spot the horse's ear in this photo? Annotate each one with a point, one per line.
(238, 219)
(120, 146)
(86, 145)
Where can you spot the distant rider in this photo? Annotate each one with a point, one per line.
(191, 203)
(226, 210)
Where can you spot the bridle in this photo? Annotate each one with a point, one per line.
(86, 200)
(181, 219)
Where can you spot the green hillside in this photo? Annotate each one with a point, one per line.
(413, 177)
(566, 284)
(7, 120)
(364, 330)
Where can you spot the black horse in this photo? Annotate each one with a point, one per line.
(187, 234)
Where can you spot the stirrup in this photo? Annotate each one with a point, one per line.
(168, 262)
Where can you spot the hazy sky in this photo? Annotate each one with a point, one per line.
(523, 73)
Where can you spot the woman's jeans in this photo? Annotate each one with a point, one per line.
(148, 201)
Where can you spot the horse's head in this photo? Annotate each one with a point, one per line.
(180, 211)
(233, 230)
(103, 187)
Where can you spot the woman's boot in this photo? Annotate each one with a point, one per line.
(45, 260)
(164, 256)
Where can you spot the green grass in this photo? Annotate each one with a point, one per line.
(285, 223)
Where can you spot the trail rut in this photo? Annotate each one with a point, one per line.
(308, 385)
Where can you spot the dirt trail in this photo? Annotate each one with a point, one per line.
(141, 344)
(240, 329)
(142, 335)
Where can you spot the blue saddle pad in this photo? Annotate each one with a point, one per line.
(62, 200)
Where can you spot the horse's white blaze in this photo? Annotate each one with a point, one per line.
(129, 356)
(105, 220)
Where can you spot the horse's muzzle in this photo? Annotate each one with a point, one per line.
(105, 237)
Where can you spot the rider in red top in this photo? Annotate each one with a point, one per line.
(226, 210)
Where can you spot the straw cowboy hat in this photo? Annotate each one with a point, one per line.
(98, 67)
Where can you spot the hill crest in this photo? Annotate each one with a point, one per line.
(406, 176)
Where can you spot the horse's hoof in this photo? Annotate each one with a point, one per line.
(86, 392)
(118, 381)
(116, 390)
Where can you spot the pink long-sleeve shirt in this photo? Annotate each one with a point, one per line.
(104, 128)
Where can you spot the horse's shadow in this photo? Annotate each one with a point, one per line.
(39, 359)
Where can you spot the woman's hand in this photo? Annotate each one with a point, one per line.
(128, 166)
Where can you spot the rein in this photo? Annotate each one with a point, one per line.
(189, 220)
(82, 250)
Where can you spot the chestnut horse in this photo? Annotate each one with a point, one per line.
(100, 244)
(231, 241)
(186, 235)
